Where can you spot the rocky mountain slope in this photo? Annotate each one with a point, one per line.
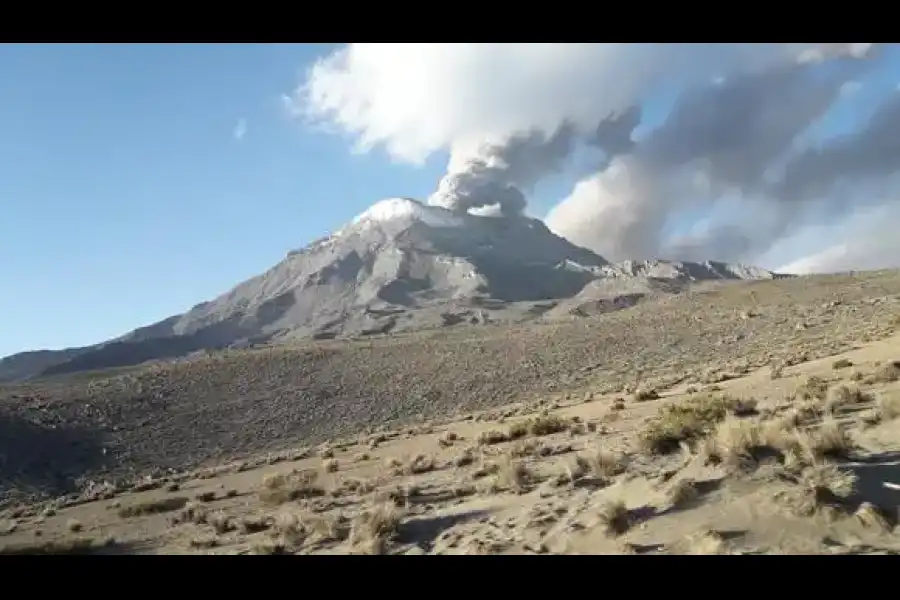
(625, 284)
(400, 265)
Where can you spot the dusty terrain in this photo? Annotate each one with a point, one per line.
(754, 418)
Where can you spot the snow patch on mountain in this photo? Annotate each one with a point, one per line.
(403, 211)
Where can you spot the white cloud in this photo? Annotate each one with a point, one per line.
(499, 110)
(866, 240)
(416, 99)
(240, 130)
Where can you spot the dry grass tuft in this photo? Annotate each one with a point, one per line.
(192, 513)
(825, 487)
(743, 407)
(814, 388)
(270, 548)
(614, 517)
(685, 422)
(373, 530)
(517, 431)
(330, 465)
(486, 469)
(841, 396)
(828, 441)
(492, 436)
(873, 517)
(547, 425)
(376, 440)
(294, 531)
(59, 547)
(272, 481)
(841, 363)
(706, 543)
(465, 458)
(421, 464)
(736, 441)
(447, 439)
(205, 542)
(512, 475)
(645, 395)
(290, 529)
(539, 426)
(681, 493)
(280, 489)
(601, 463)
(254, 524)
(525, 448)
(220, 522)
(804, 413)
(888, 407)
(776, 370)
(152, 507)
(886, 373)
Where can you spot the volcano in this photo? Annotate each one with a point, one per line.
(399, 266)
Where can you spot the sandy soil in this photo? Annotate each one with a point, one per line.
(757, 419)
(804, 463)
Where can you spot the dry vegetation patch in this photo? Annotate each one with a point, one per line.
(280, 489)
(542, 425)
(814, 388)
(374, 529)
(600, 463)
(873, 517)
(151, 507)
(824, 487)
(842, 396)
(831, 440)
(513, 475)
(681, 493)
(888, 407)
(71, 546)
(614, 517)
(886, 373)
(686, 421)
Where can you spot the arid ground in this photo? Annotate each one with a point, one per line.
(749, 418)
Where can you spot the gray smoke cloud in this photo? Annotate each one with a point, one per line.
(718, 140)
(511, 114)
(873, 151)
(613, 134)
(499, 174)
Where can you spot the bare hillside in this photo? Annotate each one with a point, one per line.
(237, 403)
(798, 458)
(399, 266)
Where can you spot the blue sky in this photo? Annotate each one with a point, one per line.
(125, 197)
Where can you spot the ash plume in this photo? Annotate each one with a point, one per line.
(718, 140)
(871, 152)
(731, 173)
(499, 173)
(613, 134)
